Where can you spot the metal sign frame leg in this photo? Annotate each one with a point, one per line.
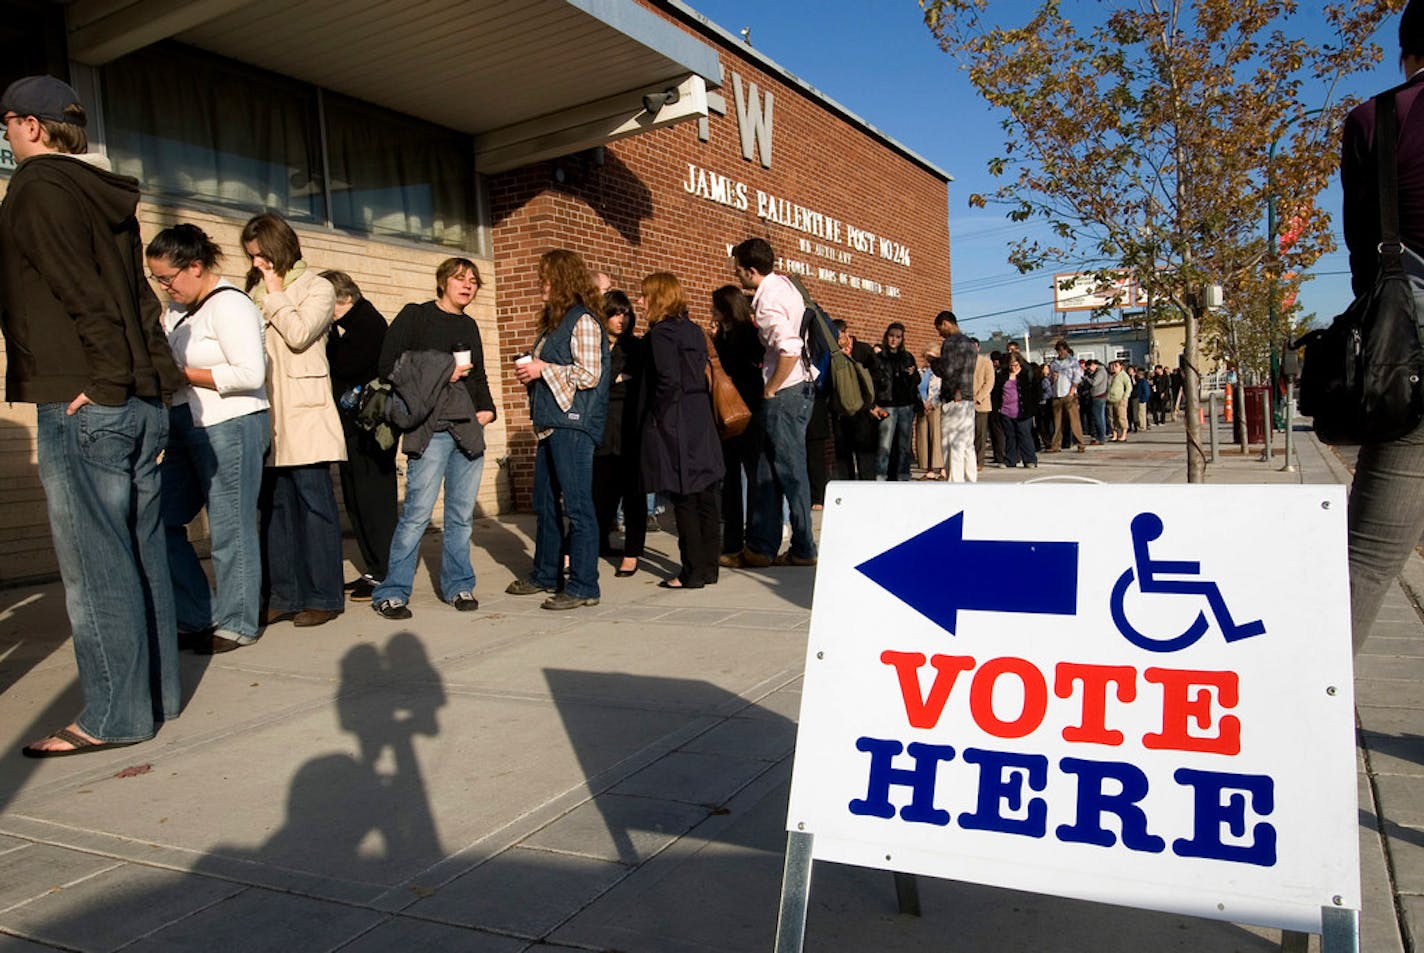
(795, 893)
(1340, 930)
(1339, 933)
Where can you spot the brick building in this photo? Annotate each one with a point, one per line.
(392, 140)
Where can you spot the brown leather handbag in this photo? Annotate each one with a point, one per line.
(728, 408)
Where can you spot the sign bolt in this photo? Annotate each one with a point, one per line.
(820, 655)
(800, 825)
(1325, 505)
(1338, 900)
(1330, 690)
(838, 501)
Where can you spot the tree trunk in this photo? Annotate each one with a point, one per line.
(1191, 391)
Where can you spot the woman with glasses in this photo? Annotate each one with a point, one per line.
(615, 462)
(300, 524)
(218, 433)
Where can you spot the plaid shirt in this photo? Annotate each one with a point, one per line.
(565, 380)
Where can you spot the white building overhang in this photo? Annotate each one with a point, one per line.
(528, 79)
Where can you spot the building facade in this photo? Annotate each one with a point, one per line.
(392, 141)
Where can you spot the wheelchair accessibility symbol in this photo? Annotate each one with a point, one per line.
(1148, 576)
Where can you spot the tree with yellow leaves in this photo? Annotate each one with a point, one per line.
(1149, 135)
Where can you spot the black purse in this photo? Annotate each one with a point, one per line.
(1361, 377)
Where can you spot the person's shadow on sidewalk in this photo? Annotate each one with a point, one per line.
(351, 821)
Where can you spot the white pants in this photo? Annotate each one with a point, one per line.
(956, 424)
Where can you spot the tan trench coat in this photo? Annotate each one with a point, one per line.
(305, 425)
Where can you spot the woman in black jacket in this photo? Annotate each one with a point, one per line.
(1015, 397)
(739, 350)
(681, 453)
(615, 462)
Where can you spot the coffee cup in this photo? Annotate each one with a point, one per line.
(463, 359)
(524, 358)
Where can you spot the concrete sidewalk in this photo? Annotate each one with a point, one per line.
(610, 779)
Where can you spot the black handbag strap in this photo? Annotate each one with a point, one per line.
(1387, 176)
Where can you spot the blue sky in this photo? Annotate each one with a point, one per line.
(876, 58)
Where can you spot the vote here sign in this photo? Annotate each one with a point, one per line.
(1139, 695)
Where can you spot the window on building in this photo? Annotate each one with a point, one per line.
(396, 176)
(191, 125)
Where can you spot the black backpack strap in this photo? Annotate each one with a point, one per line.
(1387, 178)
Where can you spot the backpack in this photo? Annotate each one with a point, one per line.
(1361, 377)
(845, 382)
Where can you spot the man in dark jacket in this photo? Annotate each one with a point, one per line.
(85, 344)
(897, 392)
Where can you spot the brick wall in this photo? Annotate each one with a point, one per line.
(389, 274)
(633, 215)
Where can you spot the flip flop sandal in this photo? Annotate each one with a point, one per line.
(81, 745)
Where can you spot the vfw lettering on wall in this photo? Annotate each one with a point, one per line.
(755, 112)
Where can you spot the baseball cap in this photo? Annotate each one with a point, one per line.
(43, 97)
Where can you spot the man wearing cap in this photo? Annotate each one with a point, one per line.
(85, 344)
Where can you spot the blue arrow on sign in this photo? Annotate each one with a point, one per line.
(939, 572)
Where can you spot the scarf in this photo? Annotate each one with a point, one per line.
(259, 290)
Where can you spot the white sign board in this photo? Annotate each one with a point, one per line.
(1085, 291)
(1153, 709)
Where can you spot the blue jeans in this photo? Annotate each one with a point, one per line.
(895, 433)
(219, 467)
(1100, 419)
(781, 472)
(442, 463)
(100, 474)
(563, 486)
(302, 539)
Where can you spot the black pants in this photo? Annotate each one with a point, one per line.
(616, 479)
(739, 454)
(699, 534)
(856, 446)
(368, 492)
(818, 437)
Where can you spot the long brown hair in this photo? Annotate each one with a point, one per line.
(569, 283)
(731, 308)
(662, 297)
(276, 242)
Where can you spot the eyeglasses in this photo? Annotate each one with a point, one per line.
(165, 281)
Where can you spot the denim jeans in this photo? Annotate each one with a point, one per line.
(1100, 419)
(781, 472)
(99, 469)
(301, 539)
(442, 463)
(895, 432)
(219, 467)
(1386, 508)
(563, 486)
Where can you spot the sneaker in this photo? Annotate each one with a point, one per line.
(465, 602)
(787, 559)
(526, 587)
(562, 600)
(392, 609)
(361, 590)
